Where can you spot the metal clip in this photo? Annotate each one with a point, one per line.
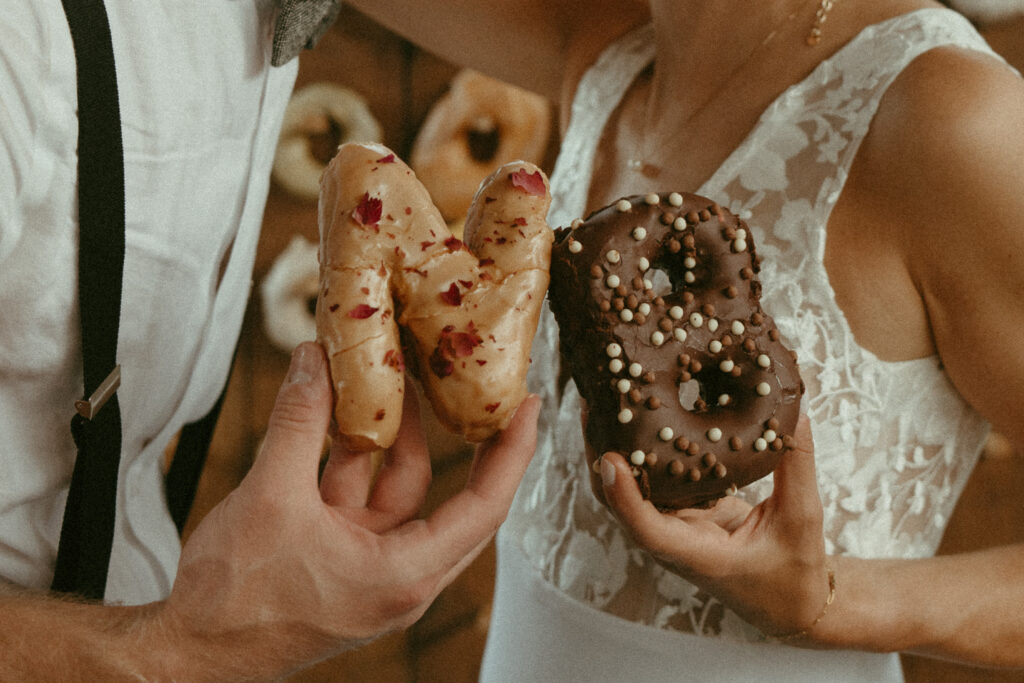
(88, 408)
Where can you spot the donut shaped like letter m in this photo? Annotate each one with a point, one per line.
(398, 290)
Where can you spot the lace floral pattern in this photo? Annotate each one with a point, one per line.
(895, 443)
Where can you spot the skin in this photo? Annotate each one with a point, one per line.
(287, 570)
(924, 252)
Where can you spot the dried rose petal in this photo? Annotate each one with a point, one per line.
(531, 183)
(389, 159)
(369, 211)
(519, 222)
(453, 297)
(491, 407)
(362, 311)
(453, 243)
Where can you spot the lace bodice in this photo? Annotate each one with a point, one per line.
(894, 441)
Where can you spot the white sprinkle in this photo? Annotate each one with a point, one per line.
(637, 458)
(648, 284)
(770, 435)
(613, 350)
(726, 365)
(635, 369)
(652, 198)
(714, 435)
(760, 444)
(675, 199)
(763, 389)
(724, 399)
(644, 308)
(741, 234)
(680, 334)
(623, 385)
(689, 262)
(676, 312)
(739, 245)
(626, 315)
(575, 247)
(679, 224)
(715, 346)
(625, 416)
(689, 277)
(613, 281)
(643, 264)
(713, 324)
(657, 337)
(615, 365)
(737, 327)
(613, 256)
(623, 205)
(639, 233)
(577, 223)
(696, 319)
(596, 467)
(666, 434)
(764, 361)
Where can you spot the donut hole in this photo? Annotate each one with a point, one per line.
(483, 139)
(325, 139)
(661, 281)
(311, 304)
(690, 394)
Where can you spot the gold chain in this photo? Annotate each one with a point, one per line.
(814, 37)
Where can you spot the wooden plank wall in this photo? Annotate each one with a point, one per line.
(401, 83)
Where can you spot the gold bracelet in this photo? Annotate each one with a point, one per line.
(821, 615)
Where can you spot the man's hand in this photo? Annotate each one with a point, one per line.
(293, 567)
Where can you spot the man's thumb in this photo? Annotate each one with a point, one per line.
(302, 412)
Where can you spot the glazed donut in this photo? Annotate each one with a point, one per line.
(478, 125)
(660, 323)
(289, 293)
(467, 311)
(318, 118)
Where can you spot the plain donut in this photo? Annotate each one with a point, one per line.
(479, 124)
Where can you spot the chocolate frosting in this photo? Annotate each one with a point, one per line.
(658, 306)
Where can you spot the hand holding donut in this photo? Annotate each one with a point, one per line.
(467, 311)
(767, 563)
(681, 371)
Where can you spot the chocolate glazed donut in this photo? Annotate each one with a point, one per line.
(660, 323)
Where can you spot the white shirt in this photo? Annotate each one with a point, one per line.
(201, 109)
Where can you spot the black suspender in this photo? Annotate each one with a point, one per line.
(87, 533)
(88, 530)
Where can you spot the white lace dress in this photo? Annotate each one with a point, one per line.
(895, 443)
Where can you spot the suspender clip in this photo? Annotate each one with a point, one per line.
(88, 407)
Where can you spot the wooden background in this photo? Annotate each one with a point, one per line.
(400, 83)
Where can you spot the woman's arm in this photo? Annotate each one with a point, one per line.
(540, 45)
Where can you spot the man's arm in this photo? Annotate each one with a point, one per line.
(288, 569)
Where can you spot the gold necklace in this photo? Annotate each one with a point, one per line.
(637, 163)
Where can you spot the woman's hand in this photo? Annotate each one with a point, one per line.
(767, 563)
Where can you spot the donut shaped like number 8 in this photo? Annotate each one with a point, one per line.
(658, 307)
(397, 287)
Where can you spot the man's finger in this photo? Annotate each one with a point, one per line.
(471, 517)
(403, 481)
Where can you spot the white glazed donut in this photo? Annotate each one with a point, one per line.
(289, 293)
(478, 125)
(319, 110)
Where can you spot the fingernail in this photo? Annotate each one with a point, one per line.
(303, 366)
(607, 472)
